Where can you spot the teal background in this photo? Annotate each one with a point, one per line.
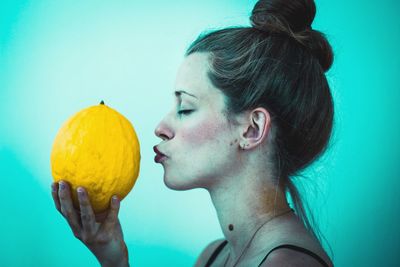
(57, 57)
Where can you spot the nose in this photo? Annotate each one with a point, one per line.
(164, 131)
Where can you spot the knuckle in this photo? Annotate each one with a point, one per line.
(84, 201)
(63, 195)
(103, 239)
(62, 210)
(87, 239)
(114, 207)
(69, 213)
(87, 217)
(110, 225)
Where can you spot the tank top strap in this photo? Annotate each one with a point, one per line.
(301, 249)
(215, 253)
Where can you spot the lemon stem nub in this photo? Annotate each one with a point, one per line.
(102, 102)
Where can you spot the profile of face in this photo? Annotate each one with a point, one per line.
(197, 139)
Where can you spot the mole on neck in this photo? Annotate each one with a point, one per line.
(230, 227)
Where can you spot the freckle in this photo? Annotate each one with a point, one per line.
(230, 227)
(236, 140)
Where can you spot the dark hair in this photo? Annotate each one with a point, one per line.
(279, 63)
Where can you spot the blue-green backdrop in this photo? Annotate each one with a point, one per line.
(57, 57)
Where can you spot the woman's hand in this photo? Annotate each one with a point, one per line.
(102, 233)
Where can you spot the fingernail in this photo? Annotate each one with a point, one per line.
(80, 191)
(115, 199)
(62, 185)
(53, 187)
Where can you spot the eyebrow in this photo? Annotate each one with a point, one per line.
(180, 92)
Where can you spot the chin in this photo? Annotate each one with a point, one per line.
(179, 185)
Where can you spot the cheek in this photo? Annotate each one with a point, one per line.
(202, 132)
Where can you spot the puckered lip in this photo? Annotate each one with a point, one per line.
(158, 152)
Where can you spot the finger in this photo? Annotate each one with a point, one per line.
(87, 214)
(54, 194)
(112, 216)
(100, 217)
(67, 208)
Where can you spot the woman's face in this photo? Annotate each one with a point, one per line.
(196, 138)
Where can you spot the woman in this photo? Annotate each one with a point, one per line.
(253, 109)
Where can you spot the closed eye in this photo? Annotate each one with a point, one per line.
(185, 112)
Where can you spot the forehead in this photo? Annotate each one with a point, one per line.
(192, 77)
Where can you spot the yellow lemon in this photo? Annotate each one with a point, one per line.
(97, 148)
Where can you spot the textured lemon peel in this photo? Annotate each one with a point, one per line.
(97, 148)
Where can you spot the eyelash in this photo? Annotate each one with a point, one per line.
(185, 112)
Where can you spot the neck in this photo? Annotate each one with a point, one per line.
(249, 203)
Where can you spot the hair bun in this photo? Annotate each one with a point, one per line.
(319, 46)
(293, 18)
(297, 15)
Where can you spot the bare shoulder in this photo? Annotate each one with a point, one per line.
(293, 232)
(291, 258)
(207, 251)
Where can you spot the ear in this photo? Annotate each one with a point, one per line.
(256, 128)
